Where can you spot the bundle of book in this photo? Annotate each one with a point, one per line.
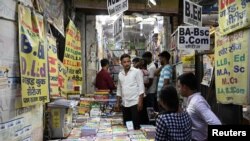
(110, 129)
(97, 104)
(97, 121)
(149, 131)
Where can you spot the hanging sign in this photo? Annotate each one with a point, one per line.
(233, 15)
(73, 56)
(192, 13)
(118, 30)
(53, 66)
(231, 67)
(62, 79)
(191, 37)
(117, 6)
(33, 57)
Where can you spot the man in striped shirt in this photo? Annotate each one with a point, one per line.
(165, 73)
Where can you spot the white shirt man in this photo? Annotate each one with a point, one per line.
(130, 90)
(152, 85)
(130, 86)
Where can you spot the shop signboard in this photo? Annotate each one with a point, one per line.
(192, 13)
(233, 15)
(231, 67)
(192, 37)
(117, 6)
(73, 56)
(33, 57)
(53, 66)
(62, 79)
(118, 30)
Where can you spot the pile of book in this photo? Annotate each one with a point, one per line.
(88, 131)
(105, 130)
(121, 138)
(109, 129)
(117, 121)
(91, 127)
(102, 96)
(119, 130)
(95, 112)
(149, 131)
(85, 104)
(81, 119)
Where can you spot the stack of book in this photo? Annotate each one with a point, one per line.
(85, 105)
(102, 96)
(117, 121)
(88, 131)
(81, 119)
(137, 137)
(104, 138)
(95, 112)
(121, 138)
(149, 131)
(119, 130)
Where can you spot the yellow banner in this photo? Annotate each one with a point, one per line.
(231, 67)
(62, 79)
(233, 15)
(33, 57)
(73, 56)
(53, 66)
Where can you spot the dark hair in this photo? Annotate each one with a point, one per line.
(165, 54)
(124, 56)
(170, 98)
(147, 55)
(104, 62)
(136, 60)
(143, 63)
(189, 80)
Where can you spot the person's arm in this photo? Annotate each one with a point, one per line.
(118, 95)
(151, 72)
(139, 80)
(206, 113)
(150, 82)
(140, 103)
(110, 82)
(158, 71)
(117, 105)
